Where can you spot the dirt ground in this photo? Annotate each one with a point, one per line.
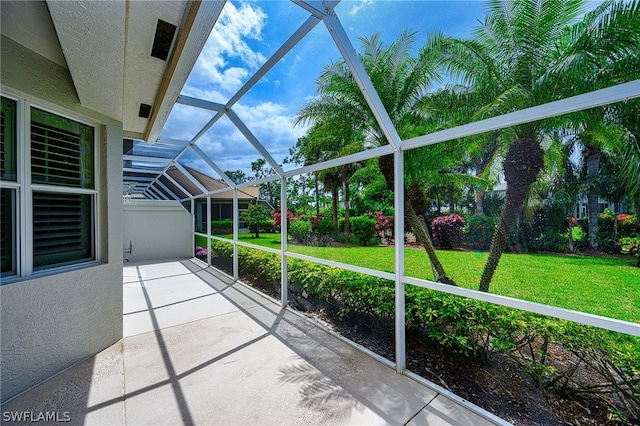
(499, 386)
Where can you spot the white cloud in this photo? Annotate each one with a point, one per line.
(360, 6)
(227, 44)
(208, 94)
(225, 63)
(269, 122)
(184, 122)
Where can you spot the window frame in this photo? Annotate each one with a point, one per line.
(24, 192)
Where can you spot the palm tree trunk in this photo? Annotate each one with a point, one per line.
(593, 168)
(422, 236)
(523, 162)
(345, 179)
(334, 207)
(452, 204)
(479, 198)
(570, 245)
(317, 194)
(414, 203)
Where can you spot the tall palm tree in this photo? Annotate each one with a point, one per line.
(628, 157)
(401, 82)
(529, 52)
(320, 144)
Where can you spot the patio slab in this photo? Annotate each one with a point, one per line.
(200, 349)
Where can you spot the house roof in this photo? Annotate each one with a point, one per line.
(212, 184)
(185, 182)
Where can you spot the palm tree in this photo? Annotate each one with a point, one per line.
(401, 82)
(325, 140)
(628, 157)
(530, 52)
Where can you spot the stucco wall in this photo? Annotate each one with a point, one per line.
(157, 230)
(52, 321)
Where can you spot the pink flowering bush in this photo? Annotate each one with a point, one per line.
(384, 227)
(277, 219)
(447, 230)
(201, 252)
(623, 216)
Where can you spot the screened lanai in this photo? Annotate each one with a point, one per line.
(240, 104)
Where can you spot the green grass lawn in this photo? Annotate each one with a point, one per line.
(601, 286)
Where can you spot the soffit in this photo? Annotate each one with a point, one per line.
(29, 24)
(92, 36)
(107, 47)
(143, 73)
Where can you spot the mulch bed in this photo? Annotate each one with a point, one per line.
(500, 385)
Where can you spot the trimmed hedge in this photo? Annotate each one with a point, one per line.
(468, 328)
(363, 228)
(222, 226)
(301, 231)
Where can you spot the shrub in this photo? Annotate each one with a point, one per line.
(258, 219)
(629, 228)
(322, 225)
(469, 329)
(363, 228)
(300, 231)
(631, 246)
(201, 253)
(479, 231)
(222, 226)
(384, 227)
(447, 230)
(343, 238)
(623, 216)
(277, 219)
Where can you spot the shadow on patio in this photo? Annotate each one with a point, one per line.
(201, 349)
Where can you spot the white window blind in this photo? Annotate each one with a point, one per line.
(62, 228)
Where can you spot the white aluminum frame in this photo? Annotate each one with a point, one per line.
(324, 11)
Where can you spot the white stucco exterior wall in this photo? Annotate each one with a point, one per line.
(53, 320)
(157, 230)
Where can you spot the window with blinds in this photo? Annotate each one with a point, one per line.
(62, 228)
(8, 140)
(8, 166)
(61, 151)
(61, 155)
(51, 216)
(7, 216)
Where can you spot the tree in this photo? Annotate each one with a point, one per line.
(530, 52)
(269, 191)
(237, 176)
(628, 157)
(332, 137)
(258, 218)
(401, 82)
(372, 194)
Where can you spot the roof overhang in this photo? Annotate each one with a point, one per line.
(107, 47)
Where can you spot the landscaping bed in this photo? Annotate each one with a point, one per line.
(525, 368)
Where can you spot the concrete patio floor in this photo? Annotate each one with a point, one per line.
(201, 349)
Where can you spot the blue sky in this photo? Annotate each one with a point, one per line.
(248, 32)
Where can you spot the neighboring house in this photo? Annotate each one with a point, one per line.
(221, 202)
(77, 78)
(582, 207)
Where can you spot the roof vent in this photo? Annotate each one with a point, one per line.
(163, 40)
(144, 111)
